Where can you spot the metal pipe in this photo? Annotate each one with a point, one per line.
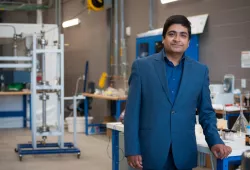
(151, 12)
(58, 10)
(14, 28)
(44, 112)
(109, 40)
(45, 128)
(15, 46)
(59, 20)
(116, 39)
(39, 15)
(123, 43)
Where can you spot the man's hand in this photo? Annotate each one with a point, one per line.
(221, 151)
(135, 161)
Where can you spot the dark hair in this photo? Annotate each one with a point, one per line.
(177, 19)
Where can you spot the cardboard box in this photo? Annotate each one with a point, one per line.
(108, 119)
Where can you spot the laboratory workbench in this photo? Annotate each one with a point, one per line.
(22, 113)
(238, 147)
(98, 96)
(14, 93)
(118, 101)
(230, 114)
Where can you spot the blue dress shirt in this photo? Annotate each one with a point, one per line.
(174, 75)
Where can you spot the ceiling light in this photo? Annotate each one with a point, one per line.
(70, 23)
(167, 1)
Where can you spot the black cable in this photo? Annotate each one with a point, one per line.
(65, 2)
(79, 13)
(119, 149)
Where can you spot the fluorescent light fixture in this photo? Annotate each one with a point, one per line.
(167, 1)
(70, 23)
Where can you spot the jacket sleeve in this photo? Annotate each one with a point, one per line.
(132, 113)
(207, 116)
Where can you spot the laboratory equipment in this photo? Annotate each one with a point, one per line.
(245, 160)
(43, 88)
(219, 96)
(228, 83)
(247, 96)
(241, 122)
(223, 93)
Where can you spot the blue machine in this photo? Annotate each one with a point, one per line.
(150, 42)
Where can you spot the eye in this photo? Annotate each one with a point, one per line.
(171, 34)
(184, 35)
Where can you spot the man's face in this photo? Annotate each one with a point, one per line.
(176, 39)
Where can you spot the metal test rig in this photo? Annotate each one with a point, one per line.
(43, 88)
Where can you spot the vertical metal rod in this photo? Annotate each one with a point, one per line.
(74, 109)
(109, 40)
(62, 88)
(116, 38)
(151, 13)
(86, 115)
(39, 14)
(124, 65)
(59, 20)
(33, 93)
(43, 81)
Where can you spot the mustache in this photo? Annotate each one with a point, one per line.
(177, 44)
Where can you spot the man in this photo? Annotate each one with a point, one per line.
(165, 90)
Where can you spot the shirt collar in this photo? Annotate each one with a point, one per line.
(168, 61)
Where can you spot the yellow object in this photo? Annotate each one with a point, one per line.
(96, 5)
(103, 79)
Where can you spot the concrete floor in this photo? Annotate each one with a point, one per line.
(95, 153)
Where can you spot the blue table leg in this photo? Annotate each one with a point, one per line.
(227, 118)
(115, 150)
(222, 164)
(24, 111)
(30, 102)
(86, 110)
(118, 109)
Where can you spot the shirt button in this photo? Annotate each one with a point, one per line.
(173, 112)
(173, 79)
(172, 91)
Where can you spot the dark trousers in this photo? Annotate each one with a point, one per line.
(169, 163)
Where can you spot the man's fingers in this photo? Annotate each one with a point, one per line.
(229, 150)
(225, 152)
(215, 154)
(138, 162)
(140, 159)
(138, 165)
(222, 153)
(131, 164)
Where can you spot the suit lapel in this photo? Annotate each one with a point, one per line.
(160, 68)
(185, 78)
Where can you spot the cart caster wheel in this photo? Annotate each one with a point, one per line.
(78, 155)
(20, 158)
(16, 150)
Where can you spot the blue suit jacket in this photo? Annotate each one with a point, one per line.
(152, 122)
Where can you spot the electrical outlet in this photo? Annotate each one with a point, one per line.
(128, 31)
(243, 83)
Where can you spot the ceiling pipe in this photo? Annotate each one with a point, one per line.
(123, 42)
(151, 13)
(116, 39)
(39, 14)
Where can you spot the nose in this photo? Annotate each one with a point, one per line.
(177, 37)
